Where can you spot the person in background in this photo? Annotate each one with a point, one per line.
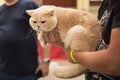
(39, 1)
(18, 53)
(54, 52)
(103, 64)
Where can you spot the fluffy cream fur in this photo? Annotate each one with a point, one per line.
(66, 70)
(79, 30)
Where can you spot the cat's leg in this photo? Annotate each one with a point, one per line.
(79, 38)
(41, 39)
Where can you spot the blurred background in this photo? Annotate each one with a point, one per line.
(90, 5)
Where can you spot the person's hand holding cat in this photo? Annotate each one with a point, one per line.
(53, 37)
(44, 68)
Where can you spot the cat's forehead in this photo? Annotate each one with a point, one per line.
(39, 15)
(41, 12)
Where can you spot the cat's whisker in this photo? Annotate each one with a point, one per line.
(30, 33)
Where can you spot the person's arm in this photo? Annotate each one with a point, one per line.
(46, 52)
(44, 65)
(104, 61)
(44, 61)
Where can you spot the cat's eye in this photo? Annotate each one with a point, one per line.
(34, 21)
(43, 21)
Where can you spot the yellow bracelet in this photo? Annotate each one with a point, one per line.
(71, 55)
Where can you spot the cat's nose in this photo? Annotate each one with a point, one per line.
(38, 26)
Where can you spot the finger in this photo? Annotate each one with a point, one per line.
(46, 36)
(56, 35)
(36, 71)
(52, 38)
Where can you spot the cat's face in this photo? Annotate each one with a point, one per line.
(42, 19)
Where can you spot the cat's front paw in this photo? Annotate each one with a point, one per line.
(43, 44)
(42, 41)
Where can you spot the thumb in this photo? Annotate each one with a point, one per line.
(36, 71)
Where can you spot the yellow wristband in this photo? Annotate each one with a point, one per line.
(71, 55)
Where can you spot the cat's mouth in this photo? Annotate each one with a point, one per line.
(38, 28)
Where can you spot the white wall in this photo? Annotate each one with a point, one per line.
(83, 4)
(1, 2)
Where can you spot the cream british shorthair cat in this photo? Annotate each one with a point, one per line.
(78, 30)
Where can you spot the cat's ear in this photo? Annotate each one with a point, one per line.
(51, 13)
(30, 12)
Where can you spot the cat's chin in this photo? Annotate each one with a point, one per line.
(38, 30)
(48, 30)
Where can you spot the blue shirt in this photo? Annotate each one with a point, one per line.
(18, 54)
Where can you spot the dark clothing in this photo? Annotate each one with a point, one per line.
(109, 15)
(25, 77)
(18, 54)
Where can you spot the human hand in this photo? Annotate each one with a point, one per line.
(53, 37)
(44, 68)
